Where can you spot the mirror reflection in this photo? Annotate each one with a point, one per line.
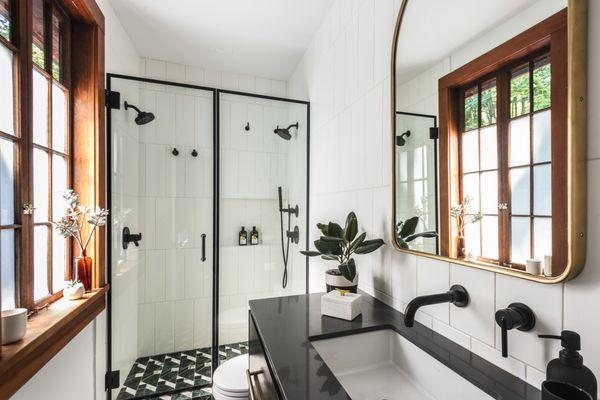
(480, 136)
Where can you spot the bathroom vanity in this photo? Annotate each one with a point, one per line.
(296, 353)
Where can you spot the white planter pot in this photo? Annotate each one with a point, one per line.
(14, 325)
(335, 280)
(74, 292)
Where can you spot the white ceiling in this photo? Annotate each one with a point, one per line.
(432, 29)
(258, 37)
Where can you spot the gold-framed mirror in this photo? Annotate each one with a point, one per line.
(488, 106)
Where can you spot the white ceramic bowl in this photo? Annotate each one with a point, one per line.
(14, 325)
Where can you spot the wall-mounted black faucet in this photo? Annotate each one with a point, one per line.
(457, 295)
(129, 237)
(518, 316)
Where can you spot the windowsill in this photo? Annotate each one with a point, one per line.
(47, 333)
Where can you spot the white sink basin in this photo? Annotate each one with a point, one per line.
(384, 365)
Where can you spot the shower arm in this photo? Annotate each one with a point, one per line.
(127, 106)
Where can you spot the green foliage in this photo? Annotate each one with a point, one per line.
(488, 106)
(471, 109)
(339, 244)
(542, 78)
(405, 232)
(37, 55)
(519, 94)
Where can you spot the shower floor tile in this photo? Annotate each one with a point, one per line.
(163, 373)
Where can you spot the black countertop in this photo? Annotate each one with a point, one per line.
(286, 325)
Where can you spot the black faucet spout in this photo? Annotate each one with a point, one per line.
(457, 295)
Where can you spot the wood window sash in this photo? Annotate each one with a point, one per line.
(548, 33)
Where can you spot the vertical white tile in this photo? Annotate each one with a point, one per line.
(146, 325)
(230, 81)
(165, 223)
(176, 172)
(194, 75)
(247, 83)
(262, 267)
(164, 341)
(278, 88)
(184, 223)
(256, 134)
(194, 274)
(202, 323)
(515, 367)
(263, 85)
(156, 69)
(155, 169)
(404, 276)
(141, 276)
(383, 22)
(147, 222)
(246, 269)
(351, 58)
(165, 118)
(184, 120)
(238, 122)
(229, 270)
(433, 276)
(203, 130)
(155, 275)
(477, 319)
(365, 46)
(184, 325)
(212, 78)
(174, 274)
(175, 72)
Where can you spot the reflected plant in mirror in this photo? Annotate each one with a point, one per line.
(483, 146)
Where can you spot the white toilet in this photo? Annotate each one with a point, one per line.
(229, 379)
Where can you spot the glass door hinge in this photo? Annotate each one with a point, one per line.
(111, 380)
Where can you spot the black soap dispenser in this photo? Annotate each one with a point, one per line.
(568, 367)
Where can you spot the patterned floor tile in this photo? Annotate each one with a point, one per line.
(151, 377)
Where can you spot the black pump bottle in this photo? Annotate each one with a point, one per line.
(568, 367)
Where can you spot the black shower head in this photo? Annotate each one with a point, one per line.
(284, 133)
(142, 117)
(400, 141)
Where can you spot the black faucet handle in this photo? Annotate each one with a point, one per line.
(515, 316)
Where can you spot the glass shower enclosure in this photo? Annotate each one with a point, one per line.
(189, 165)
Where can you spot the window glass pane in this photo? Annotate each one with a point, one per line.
(7, 97)
(519, 92)
(40, 185)
(5, 19)
(418, 193)
(7, 182)
(59, 118)
(541, 84)
(7, 260)
(542, 128)
(59, 186)
(489, 151)
(489, 245)
(519, 141)
(470, 151)
(520, 236)
(542, 237)
(488, 103)
(403, 166)
(471, 190)
(59, 261)
(472, 239)
(471, 108)
(520, 191)
(38, 33)
(542, 190)
(489, 194)
(57, 47)
(40, 109)
(40, 261)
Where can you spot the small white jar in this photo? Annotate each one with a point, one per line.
(14, 325)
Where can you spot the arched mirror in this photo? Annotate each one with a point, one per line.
(488, 134)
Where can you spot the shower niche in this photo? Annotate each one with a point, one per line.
(188, 167)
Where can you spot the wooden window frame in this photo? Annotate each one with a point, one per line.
(50, 330)
(549, 35)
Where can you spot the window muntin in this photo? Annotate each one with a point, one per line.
(517, 220)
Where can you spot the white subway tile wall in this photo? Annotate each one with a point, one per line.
(350, 115)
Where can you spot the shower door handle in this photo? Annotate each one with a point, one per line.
(203, 236)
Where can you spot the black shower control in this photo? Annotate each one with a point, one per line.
(129, 237)
(194, 153)
(175, 152)
(294, 235)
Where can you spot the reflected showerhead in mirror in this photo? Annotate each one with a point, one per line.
(400, 140)
(143, 117)
(284, 133)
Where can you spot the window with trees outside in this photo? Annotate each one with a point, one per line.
(506, 162)
(37, 158)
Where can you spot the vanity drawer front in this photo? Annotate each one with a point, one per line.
(259, 373)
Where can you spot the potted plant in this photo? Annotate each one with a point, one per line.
(405, 232)
(461, 213)
(340, 244)
(72, 225)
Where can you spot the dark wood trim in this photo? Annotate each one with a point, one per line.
(47, 333)
(548, 34)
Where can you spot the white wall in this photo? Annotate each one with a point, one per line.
(345, 75)
(77, 371)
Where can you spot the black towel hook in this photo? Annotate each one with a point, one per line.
(175, 152)
(247, 127)
(194, 153)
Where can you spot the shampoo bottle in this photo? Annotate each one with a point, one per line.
(243, 237)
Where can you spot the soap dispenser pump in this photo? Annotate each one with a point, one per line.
(568, 367)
